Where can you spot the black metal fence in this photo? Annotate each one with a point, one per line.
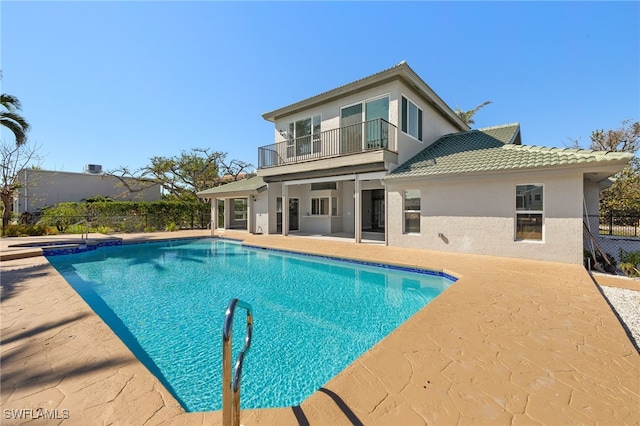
(106, 224)
(618, 224)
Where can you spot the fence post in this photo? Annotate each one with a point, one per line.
(610, 222)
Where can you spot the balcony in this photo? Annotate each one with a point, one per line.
(372, 135)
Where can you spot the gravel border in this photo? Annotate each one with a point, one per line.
(626, 305)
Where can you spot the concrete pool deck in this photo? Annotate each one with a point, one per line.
(511, 342)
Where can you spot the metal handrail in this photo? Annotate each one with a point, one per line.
(86, 227)
(371, 135)
(231, 390)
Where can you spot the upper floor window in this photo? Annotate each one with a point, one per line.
(529, 212)
(411, 119)
(303, 136)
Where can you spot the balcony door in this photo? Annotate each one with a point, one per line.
(362, 125)
(376, 128)
(303, 137)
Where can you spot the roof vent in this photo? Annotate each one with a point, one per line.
(93, 168)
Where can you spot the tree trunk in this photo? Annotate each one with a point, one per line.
(6, 212)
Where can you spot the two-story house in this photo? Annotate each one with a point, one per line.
(384, 158)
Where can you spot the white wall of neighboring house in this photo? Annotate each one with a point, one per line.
(477, 215)
(43, 188)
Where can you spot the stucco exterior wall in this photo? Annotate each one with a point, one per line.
(348, 207)
(260, 211)
(43, 188)
(477, 215)
(434, 124)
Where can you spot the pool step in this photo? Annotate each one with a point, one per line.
(53, 248)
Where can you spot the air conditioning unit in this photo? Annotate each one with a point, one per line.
(93, 168)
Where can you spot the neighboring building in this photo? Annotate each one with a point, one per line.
(45, 188)
(385, 158)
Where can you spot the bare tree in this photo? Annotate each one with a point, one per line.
(184, 175)
(624, 194)
(14, 159)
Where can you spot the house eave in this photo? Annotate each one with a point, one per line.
(402, 71)
(596, 172)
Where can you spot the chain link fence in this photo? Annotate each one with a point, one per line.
(614, 232)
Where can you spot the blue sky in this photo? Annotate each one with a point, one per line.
(115, 83)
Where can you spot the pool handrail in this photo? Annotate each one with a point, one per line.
(231, 390)
(86, 226)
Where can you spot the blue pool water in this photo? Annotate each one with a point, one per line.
(313, 316)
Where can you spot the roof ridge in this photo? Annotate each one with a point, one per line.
(499, 126)
(579, 151)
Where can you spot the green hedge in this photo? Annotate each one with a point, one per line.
(128, 216)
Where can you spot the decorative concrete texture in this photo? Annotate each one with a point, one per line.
(510, 342)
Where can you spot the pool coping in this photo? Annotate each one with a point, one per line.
(385, 400)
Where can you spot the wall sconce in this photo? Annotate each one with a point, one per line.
(253, 197)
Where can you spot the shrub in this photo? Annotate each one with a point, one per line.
(22, 230)
(630, 263)
(172, 227)
(102, 229)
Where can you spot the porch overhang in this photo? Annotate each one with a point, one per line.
(337, 173)
(357, 163)
(238, 189)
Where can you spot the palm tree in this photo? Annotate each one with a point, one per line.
(467, 116)
(13, 121)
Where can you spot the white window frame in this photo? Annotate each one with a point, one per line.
(420, 117)
(521, 211)
(364, 112)
(405, 211)
(318, 211)
(314, 137)
(240, 215)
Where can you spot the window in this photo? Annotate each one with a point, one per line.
(334, 206)
(411, 119)
(240, 209)
(412, 211)
(529, 212)
(318, 186)
(320, 206)
(300, 135)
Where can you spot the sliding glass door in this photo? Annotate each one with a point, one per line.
(364, 125)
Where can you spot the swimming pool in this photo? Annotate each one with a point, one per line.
(313, 315)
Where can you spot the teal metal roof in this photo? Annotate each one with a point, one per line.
(494, 149)
(253, 185)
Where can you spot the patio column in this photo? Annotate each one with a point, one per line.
(386, 214)
(214, 215)
(250, 214)
(358, 210)
(227, 203)
(285, 210)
